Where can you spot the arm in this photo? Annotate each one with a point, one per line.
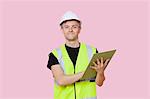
(100, 77)
(99, 68)
(63, 79)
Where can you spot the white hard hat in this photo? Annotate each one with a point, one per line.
(68, 16)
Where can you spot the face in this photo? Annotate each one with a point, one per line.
(71, 30)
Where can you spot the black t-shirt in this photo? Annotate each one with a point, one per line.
(72, 52)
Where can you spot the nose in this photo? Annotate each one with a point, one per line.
(70, 29)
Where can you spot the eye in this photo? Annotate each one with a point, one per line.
(66, 27)
(75, 27)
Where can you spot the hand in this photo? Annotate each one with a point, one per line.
(100, 65)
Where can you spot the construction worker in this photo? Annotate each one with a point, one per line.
(69, 62)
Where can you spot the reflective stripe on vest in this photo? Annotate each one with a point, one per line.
(90, 98)
(90, 52)
(60, 59)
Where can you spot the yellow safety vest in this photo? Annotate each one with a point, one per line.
(78, 90)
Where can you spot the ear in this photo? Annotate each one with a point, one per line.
(79, 31)
(61, 29)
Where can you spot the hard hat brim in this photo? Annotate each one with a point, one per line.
(70, 20)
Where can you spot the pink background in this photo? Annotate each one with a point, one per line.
(30, 30)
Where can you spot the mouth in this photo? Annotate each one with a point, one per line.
(70, 32)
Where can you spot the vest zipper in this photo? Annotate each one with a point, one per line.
(75, 90)
(74, 85)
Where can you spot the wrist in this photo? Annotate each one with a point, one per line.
(100, 73)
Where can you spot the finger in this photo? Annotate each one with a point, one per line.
(106, 62)
(98, 62)
(94, 64)
(102, 60)
(93, 67)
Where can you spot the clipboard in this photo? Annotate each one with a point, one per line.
(90, 74)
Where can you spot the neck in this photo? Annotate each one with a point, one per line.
(73, 44)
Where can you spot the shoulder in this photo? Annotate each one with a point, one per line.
(56, 51)
(53, 51)
(89, 45)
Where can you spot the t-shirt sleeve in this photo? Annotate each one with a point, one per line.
(96, 50)
(52, 61)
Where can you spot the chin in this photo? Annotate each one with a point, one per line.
(71, 39)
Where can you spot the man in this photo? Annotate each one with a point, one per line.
(70, 60)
